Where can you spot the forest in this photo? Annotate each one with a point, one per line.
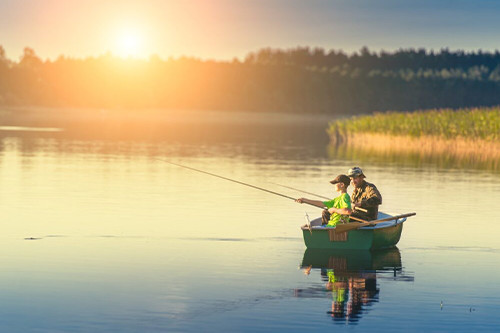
(298, 80)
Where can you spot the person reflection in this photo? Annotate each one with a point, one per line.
(350, 292)
(338, 288)
(349, 279)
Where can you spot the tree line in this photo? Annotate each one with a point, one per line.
(300, 80)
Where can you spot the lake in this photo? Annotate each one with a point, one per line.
(101, 233)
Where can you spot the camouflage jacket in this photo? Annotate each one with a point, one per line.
(367, 196)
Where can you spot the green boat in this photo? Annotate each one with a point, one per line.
(382, 235)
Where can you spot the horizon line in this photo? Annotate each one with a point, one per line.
(242, 58)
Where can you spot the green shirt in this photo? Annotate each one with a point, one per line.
(342, 201)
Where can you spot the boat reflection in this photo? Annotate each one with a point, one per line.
(350, 279)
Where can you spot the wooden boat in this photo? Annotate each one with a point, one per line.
(379, 236)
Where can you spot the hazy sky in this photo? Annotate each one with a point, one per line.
(223, 29)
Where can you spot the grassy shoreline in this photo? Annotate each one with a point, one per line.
(477, 123)
(462, 134)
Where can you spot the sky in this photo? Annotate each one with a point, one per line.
(225, 29)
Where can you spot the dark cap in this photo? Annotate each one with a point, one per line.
(341, 179)
(355, 172)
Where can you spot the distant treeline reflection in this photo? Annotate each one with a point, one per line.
(301, 80)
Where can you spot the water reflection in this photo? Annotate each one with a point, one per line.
(411, 158)
(227, 136)
(147, 247)
(349, 278)
(166, 126)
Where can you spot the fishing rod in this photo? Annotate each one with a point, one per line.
(296, 189)
(246, 184)
(231, 180)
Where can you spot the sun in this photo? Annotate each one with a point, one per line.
(129, 44)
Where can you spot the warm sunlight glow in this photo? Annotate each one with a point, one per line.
(129, 44)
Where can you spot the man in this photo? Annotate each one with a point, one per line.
(365, 196)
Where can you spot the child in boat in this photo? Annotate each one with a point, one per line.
(338, 209)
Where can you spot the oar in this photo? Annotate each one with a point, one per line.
(361, 209)
(351, 226)
(317, 195)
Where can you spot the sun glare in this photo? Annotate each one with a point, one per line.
(129, 44)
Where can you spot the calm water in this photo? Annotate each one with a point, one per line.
(100, 234)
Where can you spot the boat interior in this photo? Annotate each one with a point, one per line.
(316, 223)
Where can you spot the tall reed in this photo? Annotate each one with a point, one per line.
(474, 124)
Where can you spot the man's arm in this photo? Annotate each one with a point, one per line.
(372, 198)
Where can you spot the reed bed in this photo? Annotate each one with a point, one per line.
(468, 134)
(479, 123)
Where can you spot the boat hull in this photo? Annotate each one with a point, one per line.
(367, 238)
